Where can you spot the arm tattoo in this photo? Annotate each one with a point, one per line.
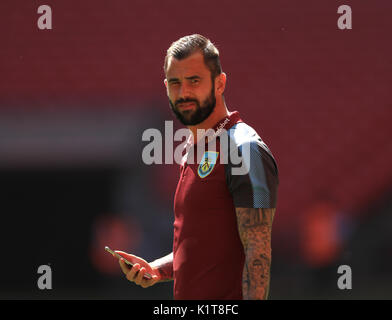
(254, 226)
(165, 267)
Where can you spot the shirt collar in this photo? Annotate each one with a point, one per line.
(224, 124)
(228, 121)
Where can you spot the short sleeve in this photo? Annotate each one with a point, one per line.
(258, 186)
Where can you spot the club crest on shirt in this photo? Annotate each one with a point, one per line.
(207, 163)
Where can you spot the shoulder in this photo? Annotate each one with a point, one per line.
(251, 172)
(244, 138)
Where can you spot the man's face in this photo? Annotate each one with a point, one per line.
(190, 89)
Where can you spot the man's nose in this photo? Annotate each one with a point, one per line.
(184, 91)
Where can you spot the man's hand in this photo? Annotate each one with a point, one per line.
(139, 269)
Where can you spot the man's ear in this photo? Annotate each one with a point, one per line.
(220, 83)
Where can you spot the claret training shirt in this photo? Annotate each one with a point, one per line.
(208, 256)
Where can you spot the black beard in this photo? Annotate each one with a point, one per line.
(200, 114)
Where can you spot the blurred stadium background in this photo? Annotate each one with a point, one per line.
(75, 100)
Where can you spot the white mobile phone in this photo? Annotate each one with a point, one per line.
(130, 264)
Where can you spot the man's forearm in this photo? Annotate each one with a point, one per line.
(255, 232)
(256, 277)
(164, 266)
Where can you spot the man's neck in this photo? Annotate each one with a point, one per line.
(218, 114)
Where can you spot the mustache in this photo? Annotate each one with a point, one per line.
(185, 100)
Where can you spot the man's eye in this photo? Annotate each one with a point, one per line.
(195, 80)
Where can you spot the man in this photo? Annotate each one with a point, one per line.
(223, 221)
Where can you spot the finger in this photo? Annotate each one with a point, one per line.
(124, 267)
(139, 277)
(148, 283)
(133, 272)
